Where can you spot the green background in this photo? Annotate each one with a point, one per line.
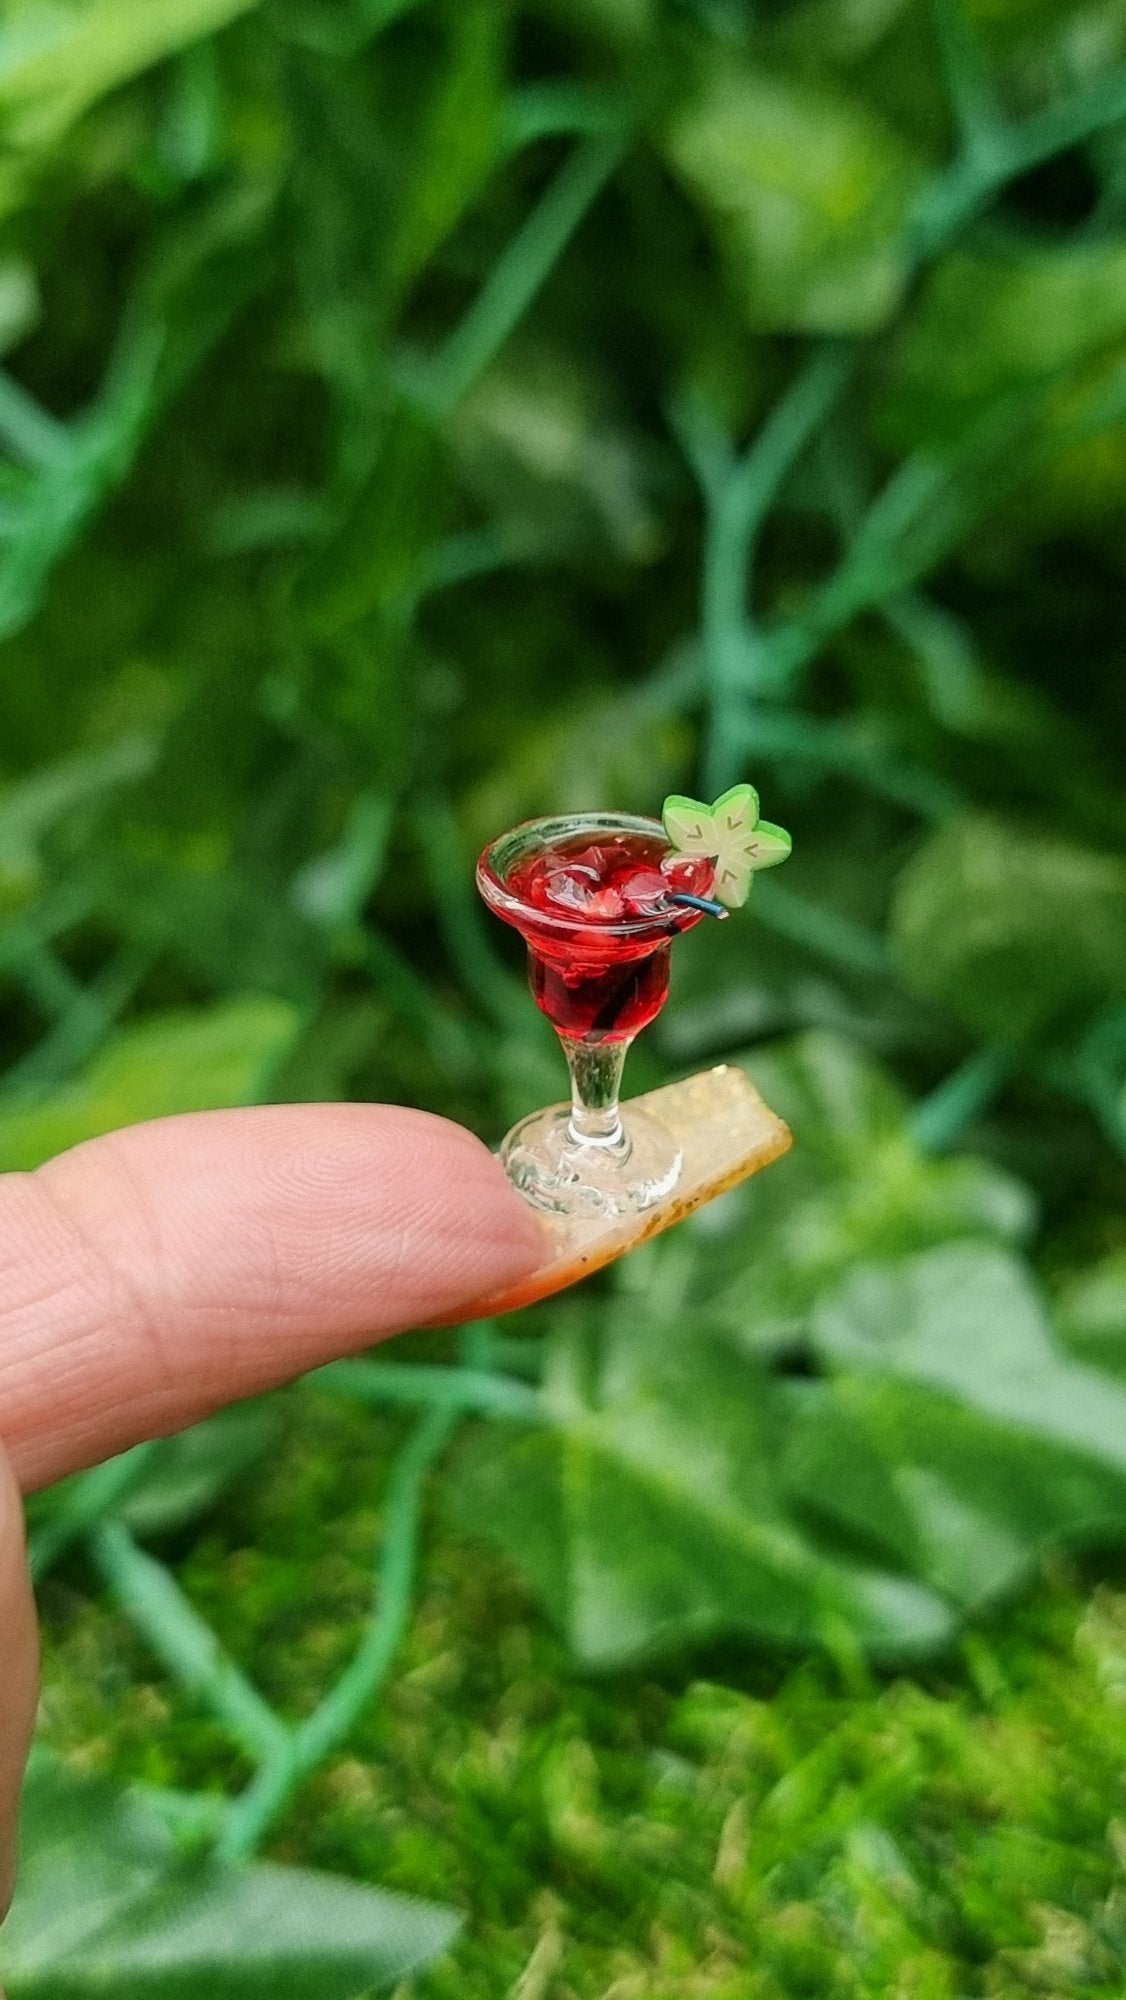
(416, 417)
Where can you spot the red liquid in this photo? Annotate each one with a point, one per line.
(598, 925)
(600, 1003)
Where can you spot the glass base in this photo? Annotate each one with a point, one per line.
(562, 1174)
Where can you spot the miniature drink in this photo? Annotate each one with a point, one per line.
(598, 899)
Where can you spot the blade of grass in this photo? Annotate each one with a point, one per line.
(738, 494)
(408, 1384)
(82, 1504)
(28, 431)
(179, 1637)
(520, 270)
(79, 1031)
(939, 1120)
(251, 1815)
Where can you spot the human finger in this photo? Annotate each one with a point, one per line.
(19, 1670)
(150, 1276)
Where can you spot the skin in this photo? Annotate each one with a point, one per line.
(149, 1277)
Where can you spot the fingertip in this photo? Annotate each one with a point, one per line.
(183, 1263)
(390, 1170)
(465, 1224)
(517, 1224)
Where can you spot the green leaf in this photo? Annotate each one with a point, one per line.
(966, 1319)
(202, 1061)
(682, 1493)
(650, 1514)
(373, 562)
(855, 1187)
(542, 445)
(19, 301)
(807, 192)
(968, 1503)
(955, 1436)
(55, 61)
(456, 139)
(105, 1904)
(1091, 1314)
(993, 321)
(337, 27)
(1013, 931)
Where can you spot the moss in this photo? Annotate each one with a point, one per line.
(726, 1828)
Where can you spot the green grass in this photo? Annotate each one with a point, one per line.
(728, 1827)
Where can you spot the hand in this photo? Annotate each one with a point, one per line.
(151, 1276)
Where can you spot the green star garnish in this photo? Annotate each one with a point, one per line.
(731, 834)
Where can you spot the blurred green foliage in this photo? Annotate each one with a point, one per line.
(724, 1827)
(137, 1913)
(416, 416)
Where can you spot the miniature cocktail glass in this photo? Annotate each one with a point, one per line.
(600, 972)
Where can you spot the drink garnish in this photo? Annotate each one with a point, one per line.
(730, 835)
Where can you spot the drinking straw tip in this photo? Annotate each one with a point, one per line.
(704, 903)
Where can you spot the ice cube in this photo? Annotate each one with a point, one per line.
(645, 892)
(578, 891)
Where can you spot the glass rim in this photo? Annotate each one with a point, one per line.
(561, 826)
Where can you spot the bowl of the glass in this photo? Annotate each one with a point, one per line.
(590, 895)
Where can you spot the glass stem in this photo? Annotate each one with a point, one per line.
(596, 1077)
